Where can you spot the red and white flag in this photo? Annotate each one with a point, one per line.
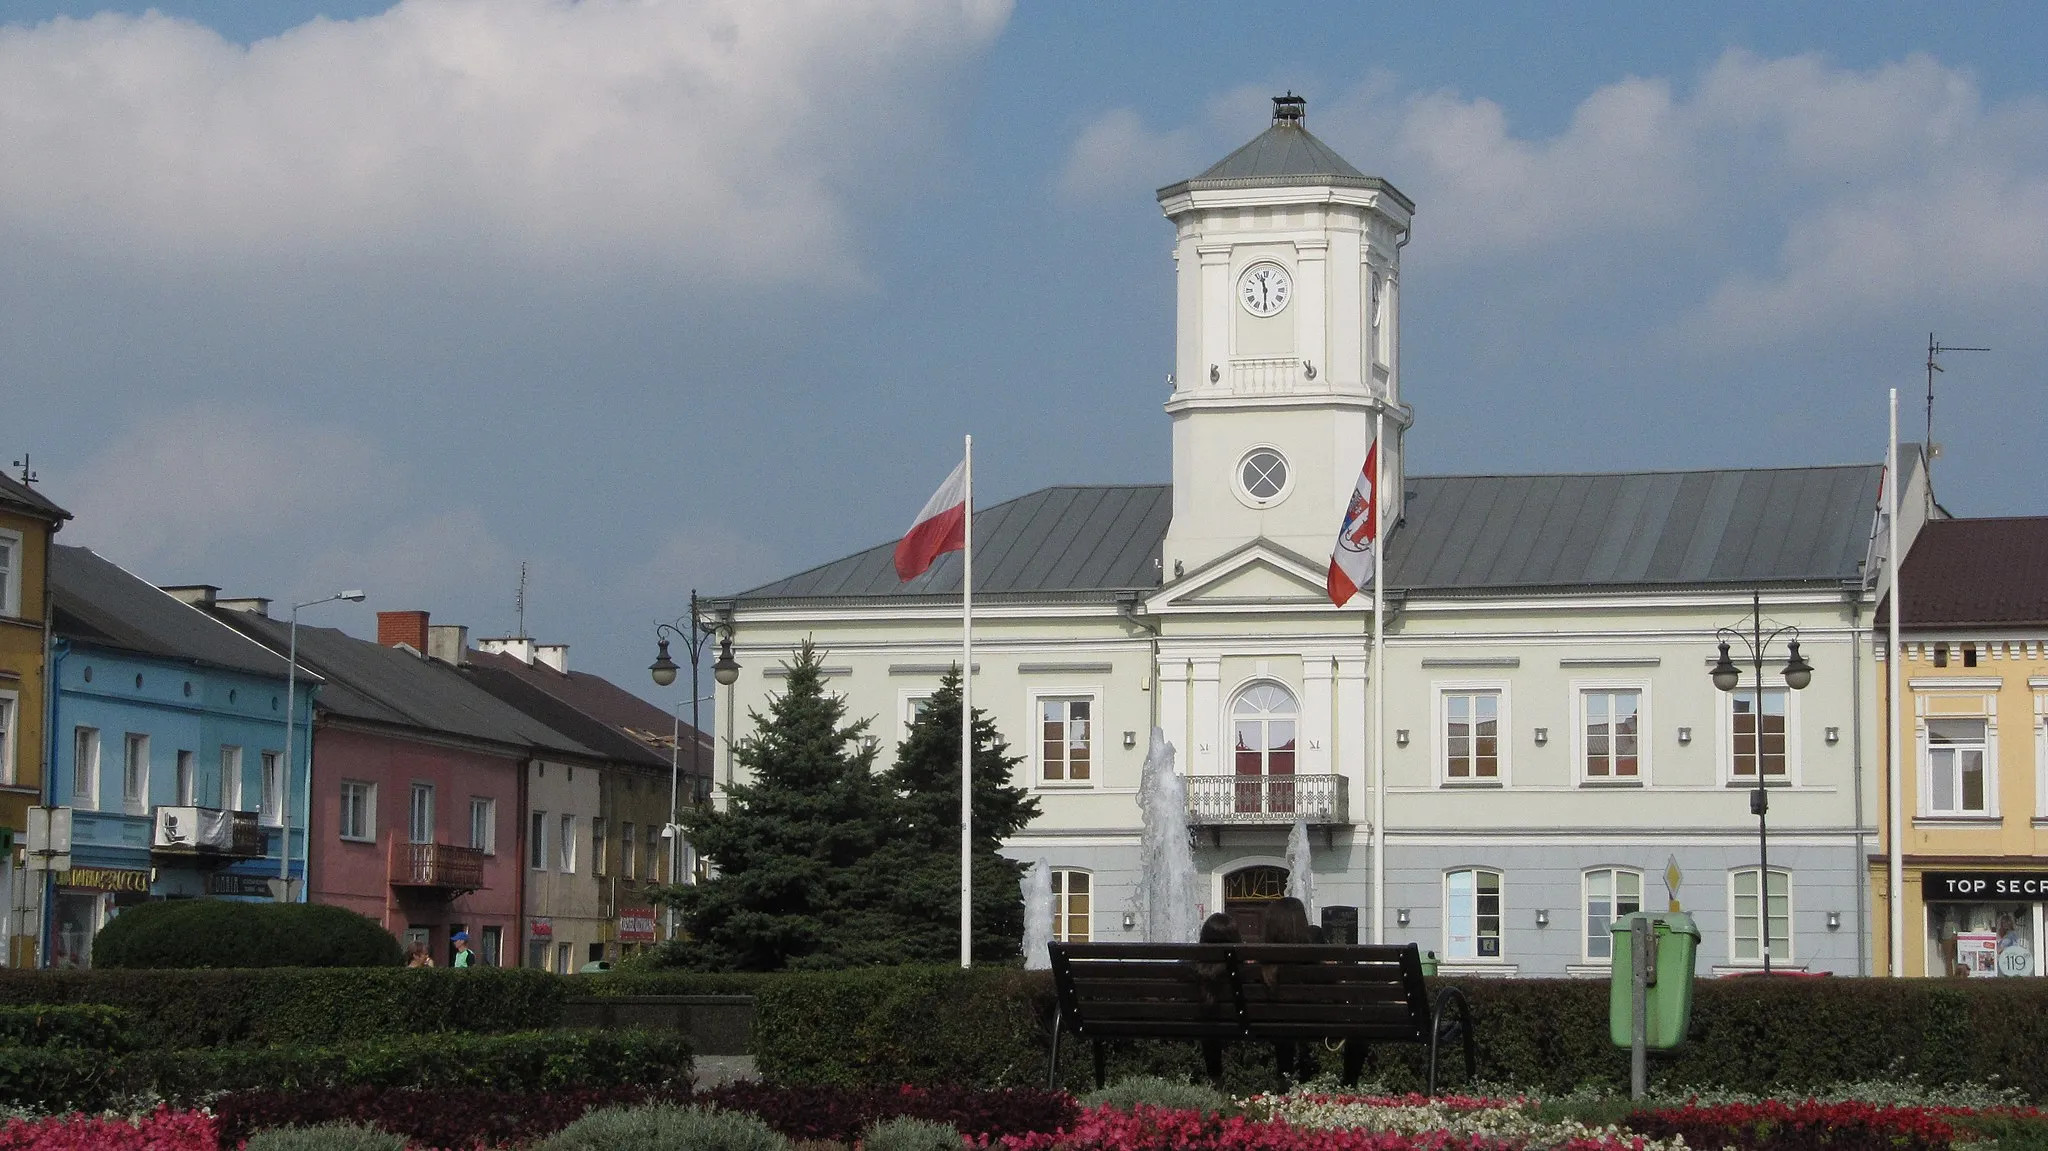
(1351, 560)
(940, 528)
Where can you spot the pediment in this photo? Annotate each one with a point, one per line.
(1260, 575)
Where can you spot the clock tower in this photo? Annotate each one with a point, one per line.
(1286, 346)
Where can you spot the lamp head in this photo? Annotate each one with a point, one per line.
(352, 596)
(1726, 674)
(663, 669)
(727, 670)
(1798, 672)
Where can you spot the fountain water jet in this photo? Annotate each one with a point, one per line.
(1037, 883)
(1167, 894)
(1301, 882)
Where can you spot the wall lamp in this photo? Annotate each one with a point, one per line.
(1130, 921)
(1834, 736)
(1401, 737)
(1542, 917)
(1684, 736)
(1542, 736)
(1834, 921)
(1401, 916)
(1130, 739)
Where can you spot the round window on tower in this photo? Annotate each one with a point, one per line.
(1263, 477)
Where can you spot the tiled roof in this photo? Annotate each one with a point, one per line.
(20, 497)
(1976, 572)
(97, 602)
(593, 710)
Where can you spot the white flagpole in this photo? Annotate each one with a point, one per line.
(1894, 772)
(967, 724)
(1379, 683)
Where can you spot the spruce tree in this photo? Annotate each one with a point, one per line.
(790, 848)
(920, 865)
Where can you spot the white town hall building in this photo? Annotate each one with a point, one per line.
(1552, 735)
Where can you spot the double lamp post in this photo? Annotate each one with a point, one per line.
(726, 670)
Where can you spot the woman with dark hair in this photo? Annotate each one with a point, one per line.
(1287, 922)
(1218, 928)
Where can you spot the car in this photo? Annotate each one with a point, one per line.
(595, 967)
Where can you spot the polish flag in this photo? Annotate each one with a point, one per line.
(1351, 560)
(940, 528)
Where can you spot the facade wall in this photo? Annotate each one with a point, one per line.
(24, 644)
(631, 802)
(565, 912)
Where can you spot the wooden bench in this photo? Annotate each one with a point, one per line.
(1236, 991)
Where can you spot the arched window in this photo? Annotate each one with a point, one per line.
(1071, 896)
(1611, 892)
(1472, 914)
(1263, 720)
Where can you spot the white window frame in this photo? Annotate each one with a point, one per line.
(486, 807)
(1439, 734)
(1580, 742)
(87, 799)
(655, 872)
(10, 717)
(414, 813)
(1092, 696)
(909, 701)
(135, 773)
(537, 841)
(185, 777)
(356, 818)
(1063, 914)
(231, 776)
(1586, 928)
(269, 792)
(1501, 929)
(1988, 746)
(565, 844)
(1725, 733)
(11, 546)
(2040, 686)
(1735, 958)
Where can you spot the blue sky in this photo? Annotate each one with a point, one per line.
(296, 296)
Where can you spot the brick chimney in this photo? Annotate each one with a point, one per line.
(403, 627)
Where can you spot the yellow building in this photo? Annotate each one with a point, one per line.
(1974, 778)
(27, 521)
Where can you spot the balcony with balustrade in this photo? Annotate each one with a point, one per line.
(437, 867)
(1219, 801)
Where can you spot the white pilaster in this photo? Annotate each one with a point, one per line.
(1318, 732)
(1205, 756)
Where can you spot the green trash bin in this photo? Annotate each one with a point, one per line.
(1668, 1001)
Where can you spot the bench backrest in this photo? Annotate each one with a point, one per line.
(1234, 989)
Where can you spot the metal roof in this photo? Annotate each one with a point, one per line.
(1067, 539)
(97, 602)
(1629, 529)
(1974, 573)
(590, 709)
(20, 497)
(1286, 154)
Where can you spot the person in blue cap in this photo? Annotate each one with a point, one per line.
(464, 957)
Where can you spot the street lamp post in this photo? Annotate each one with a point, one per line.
(1727, 676)
(726, 670)
(291, 714)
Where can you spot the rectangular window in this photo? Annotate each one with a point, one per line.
(1472, 735)
(270, 799)
(187, 779)
(1610, 894)
(10, 573)
(135, 774)
(85, 767)
(654, 870)
(1066, 737)
(537, 841)
(1612, 730)
(231, 777)
(8, 708)
(565, 961)
(1956, 783)
(1742, 925)
(1746, 733)
(597, 852)
(1472, 912)
(626, 859)
(483, 824)
(567, 843)
(1070, 906)
(358, 806)
(421, 829)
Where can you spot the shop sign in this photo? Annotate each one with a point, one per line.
(105, 879)
(541, 928)
(1950, 886)
(226, 883)
(636, 925)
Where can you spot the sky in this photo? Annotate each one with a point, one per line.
(653, 295)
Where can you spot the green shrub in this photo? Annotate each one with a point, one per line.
(188, 933)
(1153, 1091)
(315, 1006)
(907, 1134)
(325, 1137)
(47, 1025)
(665, 1128)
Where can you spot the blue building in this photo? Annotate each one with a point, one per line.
(168, 745)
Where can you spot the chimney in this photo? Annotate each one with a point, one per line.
(449, 643)
(554, 655)
(196, 594)
(519, 647)
(253, 604)
(402, 627)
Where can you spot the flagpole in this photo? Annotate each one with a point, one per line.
(967, 722)
(1895, 858)
(1379, 683)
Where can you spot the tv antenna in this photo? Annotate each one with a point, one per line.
(1936, 348)
(28, 476)
(519, 599)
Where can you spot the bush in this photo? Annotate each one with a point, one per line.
(907, 1134)
(188, 933)
(300, 1005)
(839, 1114)
(665, 1127)
(456, 1118)
(326, 1137)
(1153, 1091)
(45, 1025)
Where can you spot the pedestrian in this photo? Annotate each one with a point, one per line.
(419, 956)
(1215, 977)
(464, 957)
(1287, 922)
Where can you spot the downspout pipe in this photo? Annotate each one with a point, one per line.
(1855, 598)
(59, 650)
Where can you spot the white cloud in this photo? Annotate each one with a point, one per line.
(1116, 152)
(721, 132)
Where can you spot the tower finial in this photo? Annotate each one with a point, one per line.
(1289, 109)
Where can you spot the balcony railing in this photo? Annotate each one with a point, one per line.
(184, 829)
(1217, 800)
(440, 865)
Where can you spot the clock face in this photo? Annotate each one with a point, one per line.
(1264, 289)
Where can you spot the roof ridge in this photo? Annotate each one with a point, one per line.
(1646, 472)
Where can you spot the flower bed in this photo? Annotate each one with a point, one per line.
(161, 1130)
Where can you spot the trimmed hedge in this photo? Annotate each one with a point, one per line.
(190, 933)
(57, 1078)
(989, 1026)
(313, 1006)
(89, 1026)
